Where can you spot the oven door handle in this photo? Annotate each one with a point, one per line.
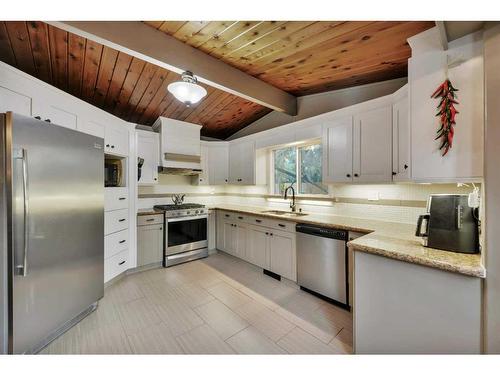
(186, 218)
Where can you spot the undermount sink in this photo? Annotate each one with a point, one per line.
(283, 213)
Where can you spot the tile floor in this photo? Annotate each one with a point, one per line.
(218, 305)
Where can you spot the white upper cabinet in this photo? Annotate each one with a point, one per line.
(91, 127)
(426, 71)
(14, 102)
(372, 146)
(148, 148)
(218, 165)
(242, 163)
(116, 140)
(401, 137)
(60, 117)
(203, 178)
(337, 150)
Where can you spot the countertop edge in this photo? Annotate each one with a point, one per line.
(479, 272)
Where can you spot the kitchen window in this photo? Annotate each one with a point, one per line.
(298, 165)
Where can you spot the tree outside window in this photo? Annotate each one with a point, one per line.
(300, 166)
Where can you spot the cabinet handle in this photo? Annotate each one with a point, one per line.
(121, 220)
(121, 199)
(47, 120)
(122, 262)
(258, 221)
(156, 179)
(267, 234)
(150, 220)
(201, 179)
(240, 217)
(161, 228)
(38, 117)
(122, 241)
(394, 173)
(348, 175)
(282, 225)
(225, 180)
(112, 146)
(270, 234)
(406, 166)
(107, 145)
(226, 215)
(356, 175)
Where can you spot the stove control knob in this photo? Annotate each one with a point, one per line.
(197, 212)
(189, 212)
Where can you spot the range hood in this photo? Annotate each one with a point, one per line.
(180, 148)
(172, 159)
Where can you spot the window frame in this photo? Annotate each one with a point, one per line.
(297, 146)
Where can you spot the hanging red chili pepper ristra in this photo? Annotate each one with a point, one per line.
(447, 112)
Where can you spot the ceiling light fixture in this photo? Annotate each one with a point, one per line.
(187, 91)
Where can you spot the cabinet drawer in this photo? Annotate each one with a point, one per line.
(115, 221)
(115, 265)
(149, 219)
(115, 198)
(288, 226)
(114, 243)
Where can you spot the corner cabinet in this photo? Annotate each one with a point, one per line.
(358, 148)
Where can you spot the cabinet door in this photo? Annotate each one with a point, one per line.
(91, 127)
(372, 146)
(148, 149)
(247, 163)
(234, 164)
(116, 140)
(60, 117)
(256, 251)
(14, 102)
(241, 241)
(282, 256)
(230, 239)
(400, 140)
(149, 244)
(337, 151)
(220, 230)
(218, 168)
(203, 177)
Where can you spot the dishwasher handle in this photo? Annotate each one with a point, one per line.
(315, 230)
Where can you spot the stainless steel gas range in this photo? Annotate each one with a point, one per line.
(185, 232)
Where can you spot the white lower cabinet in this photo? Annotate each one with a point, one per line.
(115, 198)
(258, 246)
(282, 257)
(262, 245)
(115, 265)
(115, 243)
(115, 221)
(149, 244)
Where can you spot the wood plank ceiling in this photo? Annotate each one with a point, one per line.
(299, 57)
(304, 57)
(127, 87)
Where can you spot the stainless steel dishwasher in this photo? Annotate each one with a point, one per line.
(322, 262)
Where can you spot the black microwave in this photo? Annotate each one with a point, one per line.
(112, 172)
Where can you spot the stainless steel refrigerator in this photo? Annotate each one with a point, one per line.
(52, 230)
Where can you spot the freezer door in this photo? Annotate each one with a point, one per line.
(58, 228)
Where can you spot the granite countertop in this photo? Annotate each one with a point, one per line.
(392, 240)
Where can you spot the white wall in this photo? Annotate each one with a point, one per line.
(492, 189)
(312, 105)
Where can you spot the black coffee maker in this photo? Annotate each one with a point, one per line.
(450, 224)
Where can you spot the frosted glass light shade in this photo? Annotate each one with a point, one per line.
(187, 92)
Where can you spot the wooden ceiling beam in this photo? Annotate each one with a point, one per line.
(144, 42)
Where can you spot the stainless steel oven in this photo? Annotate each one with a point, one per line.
(185, 234)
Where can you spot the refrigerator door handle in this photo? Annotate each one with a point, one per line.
(22, 154)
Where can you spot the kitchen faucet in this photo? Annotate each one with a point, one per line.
(292, 203)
